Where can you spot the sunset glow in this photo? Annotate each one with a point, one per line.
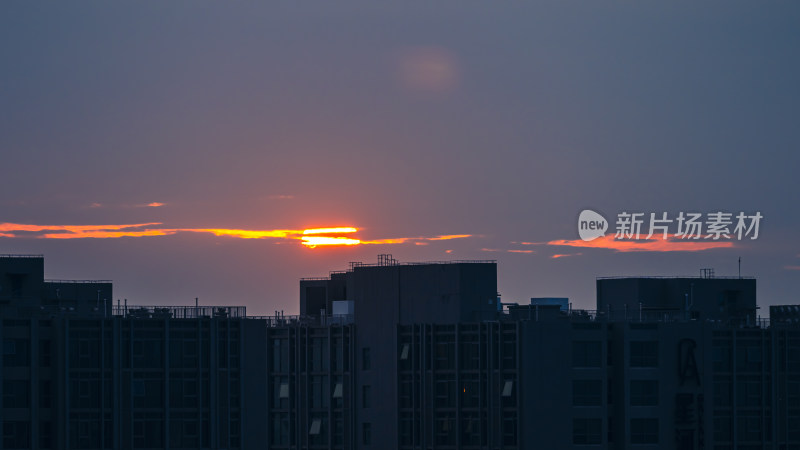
(314, 241)
(310, 237)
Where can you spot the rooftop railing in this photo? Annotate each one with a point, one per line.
(78, 281)
(393, 262)
(527, 312)
(178, 312)
(670, 277)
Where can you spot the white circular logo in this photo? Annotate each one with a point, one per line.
(591, 225)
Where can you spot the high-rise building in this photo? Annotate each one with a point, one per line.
(399, 356)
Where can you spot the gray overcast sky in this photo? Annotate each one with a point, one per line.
(411, 119)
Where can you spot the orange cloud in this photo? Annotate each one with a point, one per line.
(80, 231)
(387, 241)
(564, 255)
(520, 251)
(245, 234)
(654, 244)
(419, 240)
(70, 228)
(447, 237)
(154, 204)
(311, 237)
(792, 267)
(107, 234)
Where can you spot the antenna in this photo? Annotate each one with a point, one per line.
(740, 267)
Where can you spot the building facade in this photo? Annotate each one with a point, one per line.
(399, 356)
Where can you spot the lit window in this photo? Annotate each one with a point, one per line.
(404, 352)
(507, 387)
(284, 392)
(316, 425)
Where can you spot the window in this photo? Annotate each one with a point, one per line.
(644, 393)
(45, 434)
(470, 391)
(44, 353)
(406, 391)
(407, 429)
(508, 386)
(315, 427)
(183, 392)
(366, 433)
(338, 432)
(722, 356)
(319, 355)
(644, 354)
(320, 392)
(722, 392)
(470, 355)
(587, 431)
(16, 353)
(366, 390)
(587, 393)
(280, 355)
(444, 430)
(366, 361)
(470, 429)
(509, 425)
(280, 429)
(444, 391)
(17, 282)
(284, 391)
(444, 355)
(586, 354)
(146, 433)
(337, 390)
(722, 429)
(15, 394)
(748, 428)
(610, 430)
(138, 388)
(748, 391)
(16, 434)
(45, 395)
(404, 352)
(644, 431)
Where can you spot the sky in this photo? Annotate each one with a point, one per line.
(185, 149)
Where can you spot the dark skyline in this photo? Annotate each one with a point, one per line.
(500, 122)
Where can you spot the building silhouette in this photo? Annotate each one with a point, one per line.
(400, 356)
